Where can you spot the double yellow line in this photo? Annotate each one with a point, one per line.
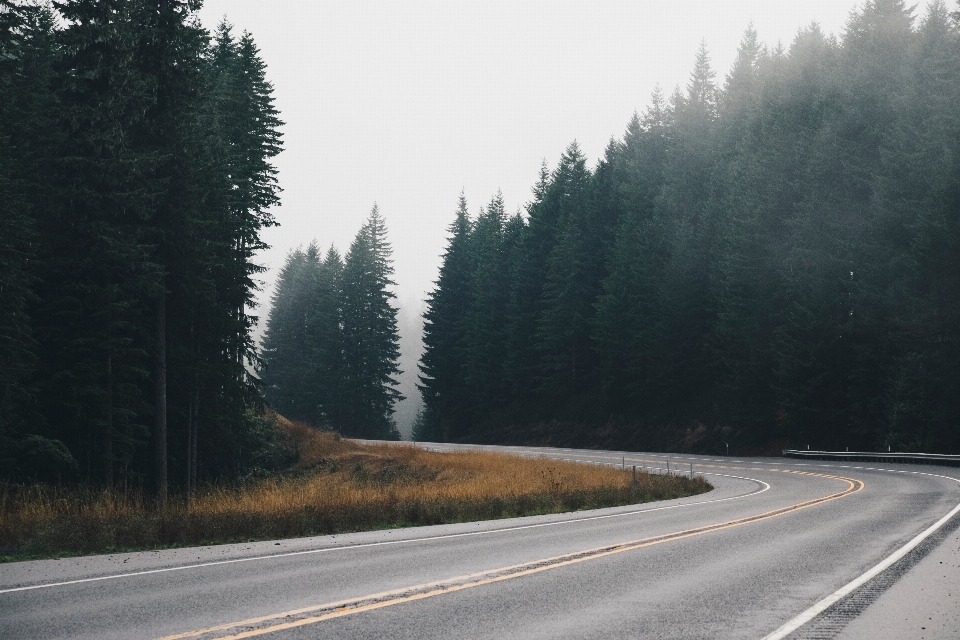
(330, 610)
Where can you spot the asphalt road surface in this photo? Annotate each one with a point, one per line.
(776, 550)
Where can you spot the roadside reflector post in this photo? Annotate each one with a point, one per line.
(668, 467)
(633, 483)
(691, 471)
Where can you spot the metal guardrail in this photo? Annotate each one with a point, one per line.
(869, 456)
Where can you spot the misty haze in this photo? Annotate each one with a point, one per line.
(479, 319)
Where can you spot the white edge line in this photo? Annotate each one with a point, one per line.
(824, 604)
(394, 542)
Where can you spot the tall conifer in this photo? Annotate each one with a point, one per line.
(370, 340)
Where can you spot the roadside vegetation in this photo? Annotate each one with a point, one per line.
(330, 485)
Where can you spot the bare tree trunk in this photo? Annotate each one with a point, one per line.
(190, 425)
(160, 402)
(196, 428)
(108, 430)
(189, 449)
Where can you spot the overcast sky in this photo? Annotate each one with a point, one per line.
(407, 103)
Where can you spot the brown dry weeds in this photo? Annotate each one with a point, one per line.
(337, 485)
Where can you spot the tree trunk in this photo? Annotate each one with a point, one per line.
(108, 430)
(160, 402)
(196, 428)
(190, 423)
(189, 448)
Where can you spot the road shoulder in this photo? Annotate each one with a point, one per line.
(923, 604)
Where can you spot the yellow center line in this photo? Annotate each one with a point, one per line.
(327, 611)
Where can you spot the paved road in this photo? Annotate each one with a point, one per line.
(773, 539)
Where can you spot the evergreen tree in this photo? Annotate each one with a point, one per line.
(484, 333)
(628, 326)
(528, 269)
(370, 339)
(774, 258)
(325, 341)
(748, 207)
(130, 265)
(570, 287)
(288, 385)
(27, 94)
(442, 380)
(97, 274)
(245, 128)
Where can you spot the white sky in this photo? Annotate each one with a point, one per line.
(407, 103)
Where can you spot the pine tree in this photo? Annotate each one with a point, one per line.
(287, 346)
(325, 341)
(484, 335)
(568, 294)
(96, 264)
(370, 339)
(920, 400)
(702, 98)
(628, 326)
(749, 210)
(442, 381)
(173, 53)
(131, 265)
(245, 126)
(527, 276)
(27, 95)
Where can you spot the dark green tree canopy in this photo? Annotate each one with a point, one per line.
(331, 346)
(769, 262)
(136, 176)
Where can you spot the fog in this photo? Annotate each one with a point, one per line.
(408, 104)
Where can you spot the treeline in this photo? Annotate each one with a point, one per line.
(331, 345)
(135, 177)
(774, 260)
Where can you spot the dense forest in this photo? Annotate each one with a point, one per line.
(135, 178)
(771, 260)
(768, 260)
(331, 345)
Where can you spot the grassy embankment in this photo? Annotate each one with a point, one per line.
(334, 486)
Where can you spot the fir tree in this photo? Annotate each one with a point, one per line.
(370, 340)
(442, 380)
(569, 291)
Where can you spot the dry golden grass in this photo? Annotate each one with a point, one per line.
(338, 485)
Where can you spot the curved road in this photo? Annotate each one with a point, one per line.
(771, 541)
